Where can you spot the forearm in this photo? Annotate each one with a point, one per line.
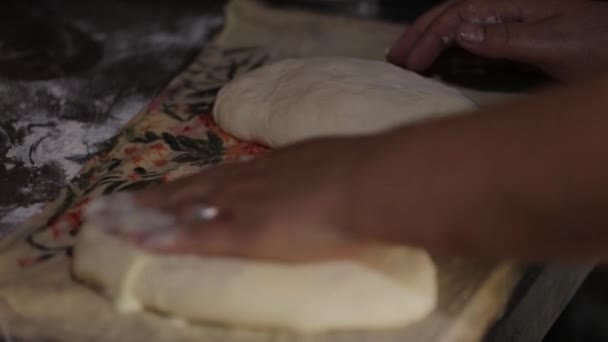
(526, 180)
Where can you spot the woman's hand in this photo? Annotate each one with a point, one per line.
(566, 38)
(293, 204)
(523, 180)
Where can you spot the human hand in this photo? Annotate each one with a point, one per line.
(521, 180)
(565, 38)
(292, 204)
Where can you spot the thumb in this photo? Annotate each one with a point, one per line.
(521, 42)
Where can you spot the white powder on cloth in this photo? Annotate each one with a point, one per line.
(53, 127)
(63, 141)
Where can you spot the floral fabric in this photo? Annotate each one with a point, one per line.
(175, 135)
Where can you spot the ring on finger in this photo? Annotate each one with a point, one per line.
(203, 212)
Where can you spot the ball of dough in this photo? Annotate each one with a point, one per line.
(386, 287)
(300, 99)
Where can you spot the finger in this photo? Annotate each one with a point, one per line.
(441, 33)
(166, 195)
(435, 39)
(399, 51)
(222, 204)
(252, 239)
(516, 41)
(220, 237)
(197, 187)
(491, 11)
(500, 11)
(153, 197)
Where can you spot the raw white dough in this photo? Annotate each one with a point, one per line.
(300, 99)
(387, 287)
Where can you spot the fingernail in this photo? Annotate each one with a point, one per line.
(471, 33)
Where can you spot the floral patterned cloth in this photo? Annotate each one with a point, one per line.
(173, 136)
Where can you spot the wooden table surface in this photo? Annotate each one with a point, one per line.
(118, 26)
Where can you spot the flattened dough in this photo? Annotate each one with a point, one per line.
(387, 287)
(300, 99)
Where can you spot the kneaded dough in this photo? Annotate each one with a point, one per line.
(300, 99)
(386, 287)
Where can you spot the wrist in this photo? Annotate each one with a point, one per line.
(424, 185)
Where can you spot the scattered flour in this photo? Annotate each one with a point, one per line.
(56, 90)
(63, 141)
(53, 120)
(187, 33)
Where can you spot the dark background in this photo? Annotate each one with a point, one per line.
(47, 45)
